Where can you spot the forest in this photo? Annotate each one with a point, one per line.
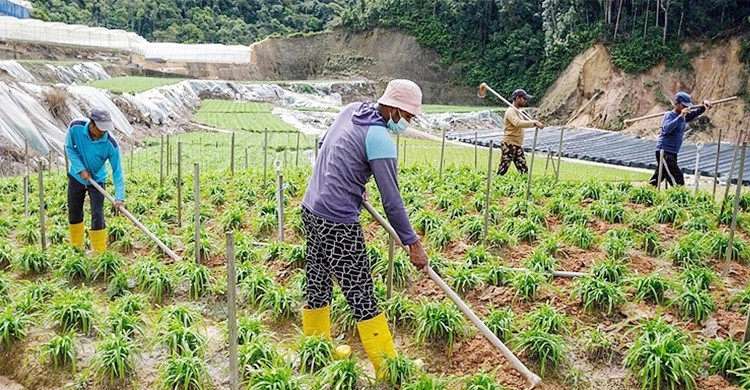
(504, 42)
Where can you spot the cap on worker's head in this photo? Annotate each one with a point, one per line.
(404, 95)
(102, 119)
(520, 93)
(684, 98)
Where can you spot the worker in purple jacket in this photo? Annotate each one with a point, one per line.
(358, 145)
(670, 140)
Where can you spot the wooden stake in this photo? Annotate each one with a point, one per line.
(476, 150)
(179, 184)
(161, 163)
(232, 311)
(296, 154)
(231, 157)
(733, 226)
(487, 195)
(265, 160)
(442, 156)
(280, 200)
(716, 165)
(661, 169)
(531, 167)
(391, 249)
(42, 213)
(197, 197)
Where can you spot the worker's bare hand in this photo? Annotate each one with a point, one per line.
(685, 112)
(418, 256)
(365, 196)
(119, 205)
(539, 125)
(85, 175)
(707, 104)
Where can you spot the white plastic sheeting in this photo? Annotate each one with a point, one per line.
(436, 122)
(17, 71)
(97, 98)
(37, 31)
(24, 118)
(307, 122)
(179, 100)
(80, 73)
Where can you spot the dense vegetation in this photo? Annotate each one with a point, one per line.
(508, 43)
(192, 21)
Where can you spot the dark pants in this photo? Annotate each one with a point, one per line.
(670, 171)
(511, 153)
(338, 249)
(76, 196)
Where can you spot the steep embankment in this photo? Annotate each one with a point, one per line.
(717, 72)
(378, 55)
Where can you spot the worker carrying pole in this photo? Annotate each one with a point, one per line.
(670, 139)
(88, 145)
(356, 146)
(512, 143)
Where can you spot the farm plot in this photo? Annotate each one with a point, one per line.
(252, 117)
(653, 298)
(133, 84)
(226, 106)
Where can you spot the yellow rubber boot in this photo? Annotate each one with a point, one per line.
(317, 321)
(76, 234)
(377, 341)
(98, 240)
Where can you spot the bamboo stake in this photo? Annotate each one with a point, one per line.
(42, 214)
(733, 226)
(716, 165)
(197, 223)
(232, 309)
(729, 176)
(661, 169)
(179, 184)
(487, 195)
(442, 156)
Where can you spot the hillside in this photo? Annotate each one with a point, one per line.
(717, 73)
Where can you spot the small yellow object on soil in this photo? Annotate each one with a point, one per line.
(343, 351)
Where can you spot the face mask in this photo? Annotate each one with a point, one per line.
(397, 128)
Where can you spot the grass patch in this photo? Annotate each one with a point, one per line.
(132, 84)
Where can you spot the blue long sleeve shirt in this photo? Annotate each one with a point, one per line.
(673, 129)
(356, 147)
(86, 154)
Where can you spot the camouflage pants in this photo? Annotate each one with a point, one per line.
(511, 153)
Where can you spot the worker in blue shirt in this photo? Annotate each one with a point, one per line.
(89, 145)
(670, 139)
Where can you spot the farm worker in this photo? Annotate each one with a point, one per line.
(512, 144)
(356, 146)
(89, 145)
(670, 138)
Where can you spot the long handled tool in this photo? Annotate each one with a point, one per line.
(630, 121)
(482, 93)
(137, 222)
(533, 379)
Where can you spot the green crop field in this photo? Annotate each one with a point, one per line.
(132, 84)
(247, 116)
(231, 106)
(651, 262)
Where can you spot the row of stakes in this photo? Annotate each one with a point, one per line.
(231, 281)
